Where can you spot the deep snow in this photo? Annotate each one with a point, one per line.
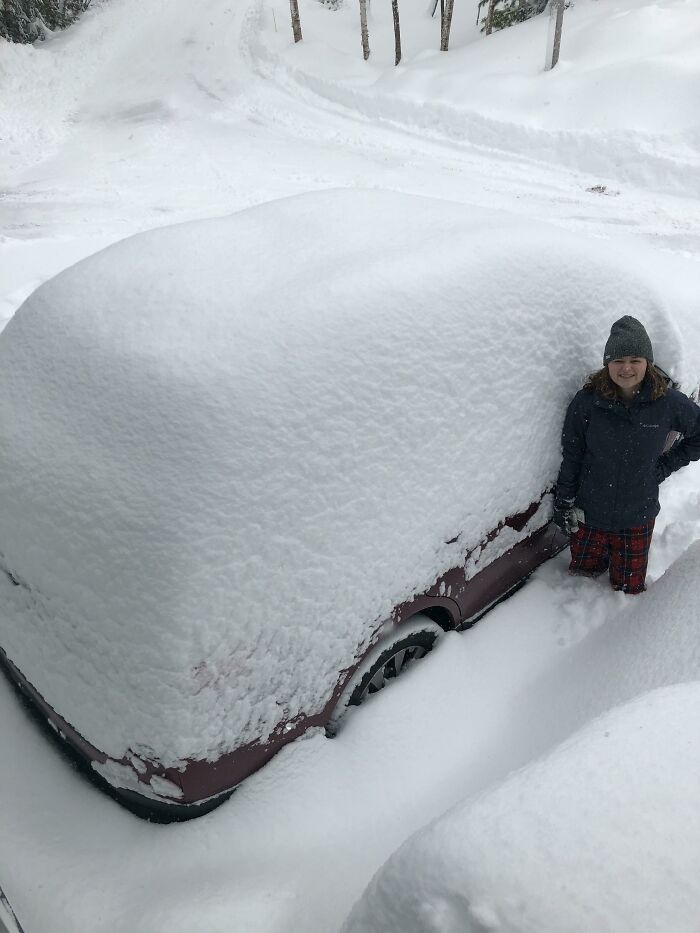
(140, 117)
(232, 474)
(609, 819)
(296, 844)
(604, 109)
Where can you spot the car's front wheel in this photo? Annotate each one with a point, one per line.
(391, 657)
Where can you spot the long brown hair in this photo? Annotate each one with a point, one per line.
(601, 383)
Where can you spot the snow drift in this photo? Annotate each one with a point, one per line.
(622, 104)
(602, 834)
(611, 813)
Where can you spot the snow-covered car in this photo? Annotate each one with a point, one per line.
(602, 831)
(253, 466)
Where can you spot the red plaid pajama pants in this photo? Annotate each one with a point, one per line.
(624, 554)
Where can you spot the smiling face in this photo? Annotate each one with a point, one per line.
(628, 373)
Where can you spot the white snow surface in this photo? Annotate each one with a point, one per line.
(603, 109)
(297, 843)
(148, 114)
(218, 481)
(603, 834)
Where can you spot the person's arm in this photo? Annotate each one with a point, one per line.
(573, 445)
(686, 420)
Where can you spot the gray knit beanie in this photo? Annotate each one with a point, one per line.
(627, 338)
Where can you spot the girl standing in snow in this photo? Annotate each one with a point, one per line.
(613, 460)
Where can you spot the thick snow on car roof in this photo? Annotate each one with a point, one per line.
(230, 447)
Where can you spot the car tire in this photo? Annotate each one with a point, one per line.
(389, 658)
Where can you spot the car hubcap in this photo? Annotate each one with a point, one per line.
(391, 668)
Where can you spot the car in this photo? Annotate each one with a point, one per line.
(253, 466)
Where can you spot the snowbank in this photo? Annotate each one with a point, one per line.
(231, 447)
(622, 104)
(646, 645)
(602, 834)
(126, 67)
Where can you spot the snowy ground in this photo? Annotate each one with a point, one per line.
(296, 844)
(609, 817)
(138, 118)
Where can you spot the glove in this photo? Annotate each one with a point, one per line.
(564, 516)
(663, 470)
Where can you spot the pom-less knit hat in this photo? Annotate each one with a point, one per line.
(627, 338)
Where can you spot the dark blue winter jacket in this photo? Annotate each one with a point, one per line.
(611, 452)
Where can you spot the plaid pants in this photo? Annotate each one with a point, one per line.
(624, 553)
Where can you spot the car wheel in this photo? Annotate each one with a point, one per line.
(391, 657)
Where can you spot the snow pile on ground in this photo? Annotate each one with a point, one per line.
(66, 85)
(603, 834)
(219, 481)
(611, 815)
(645, 646)
(623, 102)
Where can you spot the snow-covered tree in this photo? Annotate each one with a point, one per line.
(29, 20)
(502, 13)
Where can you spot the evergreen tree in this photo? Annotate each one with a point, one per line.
(503, 13)
(29, 20)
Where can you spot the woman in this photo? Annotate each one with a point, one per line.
(607, 494)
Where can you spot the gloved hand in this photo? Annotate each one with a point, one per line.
(564, 515)
(663, 470)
